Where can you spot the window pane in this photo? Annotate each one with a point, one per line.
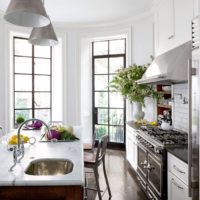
(117, 46)
(101, 48)
(43, 114)
(102, 116)
(117, 134)
(42, 83)
(42, 100)
(101, 82)
(42, 51)
(23, 47)
(27, 114)
(116, 63)
(101, 99)
(42, 66)
(23, 100)
(101, 66)
(23, 65)
(101, 130)
(23, 82)
(116, 117)
(116, 100)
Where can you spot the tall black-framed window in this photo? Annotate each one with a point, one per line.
(109, 113)
(32, 80)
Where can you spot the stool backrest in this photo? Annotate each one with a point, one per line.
(101, 150)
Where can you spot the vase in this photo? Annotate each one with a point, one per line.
(138, 114)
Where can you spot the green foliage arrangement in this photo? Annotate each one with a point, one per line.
(125, 83)
(20, 119)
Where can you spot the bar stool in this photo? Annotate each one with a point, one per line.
(90, 147)
(93, 160)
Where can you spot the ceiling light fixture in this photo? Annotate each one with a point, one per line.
(28, 13)
(44, 36)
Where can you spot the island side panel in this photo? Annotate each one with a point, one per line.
(41, 192)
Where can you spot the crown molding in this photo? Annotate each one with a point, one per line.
(82, 26)
(114, 23)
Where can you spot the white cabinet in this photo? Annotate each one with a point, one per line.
(176, 188)
(164, 26)
(131, 146)
(196, 7)
(177, 179)
(172, 23)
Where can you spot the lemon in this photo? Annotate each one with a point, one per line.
(26, 139)
(153, 123)
(13, 139)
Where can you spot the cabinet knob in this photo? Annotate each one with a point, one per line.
(170, 37)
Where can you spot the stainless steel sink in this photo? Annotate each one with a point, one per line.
(49, 167)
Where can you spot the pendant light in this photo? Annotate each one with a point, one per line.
(43, 36)
(28, 13)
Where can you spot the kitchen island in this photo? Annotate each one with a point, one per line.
(19, 185)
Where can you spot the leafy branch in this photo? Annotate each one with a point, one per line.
(125, 83)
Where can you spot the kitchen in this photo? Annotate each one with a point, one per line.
(152, 30)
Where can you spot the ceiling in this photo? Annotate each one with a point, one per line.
(91, 11)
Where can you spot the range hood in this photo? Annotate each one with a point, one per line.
(170, 67)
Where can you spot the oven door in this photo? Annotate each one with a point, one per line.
(142, 160)
(155, 173)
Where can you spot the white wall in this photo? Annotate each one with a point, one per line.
(140, 47)
(180, 109)
(2, 77)
(77, 66)
(143, 48)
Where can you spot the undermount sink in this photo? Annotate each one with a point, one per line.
(49, 167)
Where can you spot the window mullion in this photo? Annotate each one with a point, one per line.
(33, 82)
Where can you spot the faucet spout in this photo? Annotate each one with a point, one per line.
(19, 151)
(25, 122)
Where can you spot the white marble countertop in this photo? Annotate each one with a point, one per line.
(68, 150)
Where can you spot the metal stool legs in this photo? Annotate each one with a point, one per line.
(106, 178)
(93, 161)
(96, 174)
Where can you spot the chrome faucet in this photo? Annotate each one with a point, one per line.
(19, 150)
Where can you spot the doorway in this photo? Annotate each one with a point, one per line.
(109, 113)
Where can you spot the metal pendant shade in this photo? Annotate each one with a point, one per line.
(43, 36)
(28, 13)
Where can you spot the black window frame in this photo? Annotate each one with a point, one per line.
(33, 74)
(94, 111)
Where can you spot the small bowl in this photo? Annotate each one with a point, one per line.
(166, 88)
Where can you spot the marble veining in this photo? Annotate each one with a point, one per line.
(68, 150)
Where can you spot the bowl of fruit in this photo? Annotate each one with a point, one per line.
(13, 140)
(34, 125)
(60, 133)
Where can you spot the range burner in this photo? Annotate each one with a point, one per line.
(166, 137)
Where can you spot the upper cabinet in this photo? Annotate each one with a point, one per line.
(172, 23)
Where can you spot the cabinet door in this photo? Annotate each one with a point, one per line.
(196, 8)
(131, 147)
(135, 154)
(176, 188)
(173, 23)
(129, 150)
(183, 16)
(164, 25)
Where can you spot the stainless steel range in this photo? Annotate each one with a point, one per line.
(152, 158)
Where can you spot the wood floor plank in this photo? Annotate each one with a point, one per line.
(123, 183)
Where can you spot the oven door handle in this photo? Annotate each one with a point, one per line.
(149, 167)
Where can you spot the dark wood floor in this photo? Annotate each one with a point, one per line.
(123, 183)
